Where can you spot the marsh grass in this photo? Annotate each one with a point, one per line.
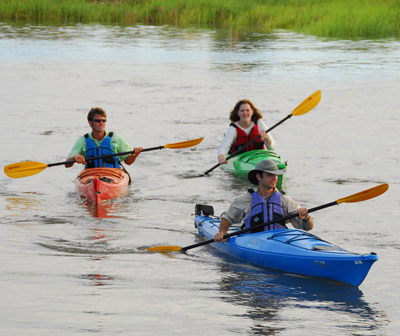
(327, 18)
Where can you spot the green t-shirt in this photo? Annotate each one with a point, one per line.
(118, 144)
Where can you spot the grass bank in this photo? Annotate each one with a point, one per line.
(325, 18)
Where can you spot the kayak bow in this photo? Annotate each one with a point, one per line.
(101, 184)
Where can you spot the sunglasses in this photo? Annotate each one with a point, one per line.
(100, 120)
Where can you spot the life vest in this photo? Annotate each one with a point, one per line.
(243, 139)
(263, 212)
(104, 148)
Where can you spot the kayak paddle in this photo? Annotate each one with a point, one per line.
(359, 197)
(29, 168)
(307, 105)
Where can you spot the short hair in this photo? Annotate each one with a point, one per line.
(234, 116)
(259, 172)
(96, 110)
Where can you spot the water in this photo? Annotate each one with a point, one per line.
(70, 268)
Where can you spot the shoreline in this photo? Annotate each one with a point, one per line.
(352, 19)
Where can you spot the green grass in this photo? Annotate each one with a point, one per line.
(324, 18)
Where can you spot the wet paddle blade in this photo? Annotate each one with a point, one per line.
(164, 249)
(184, 144)
(365, 195)
(23, 169)
(308, 104)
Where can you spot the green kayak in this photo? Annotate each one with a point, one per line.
(242, 163)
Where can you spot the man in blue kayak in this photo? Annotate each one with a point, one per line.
(100, 142)
(264, 205)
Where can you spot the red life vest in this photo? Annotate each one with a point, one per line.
(243, 139)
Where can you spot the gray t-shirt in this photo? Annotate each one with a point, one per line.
(241, 207)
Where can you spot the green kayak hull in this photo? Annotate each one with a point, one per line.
(241, 164)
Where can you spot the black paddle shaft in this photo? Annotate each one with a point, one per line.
(104, 156)
(242, 149)
(258, 226)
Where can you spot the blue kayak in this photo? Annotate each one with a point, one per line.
(291, 250)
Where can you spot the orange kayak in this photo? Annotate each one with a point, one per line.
(100, 184)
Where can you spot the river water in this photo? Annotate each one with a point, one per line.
(70, 268)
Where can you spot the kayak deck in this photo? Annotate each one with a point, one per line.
(292, 251)
(241, 164)
(101, 184)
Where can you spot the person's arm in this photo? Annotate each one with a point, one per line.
(77, 153)
(229, 139)
(307, 222)
(304, 221)
(78, 159)
(238, 210)
(120, 145)
(268, 139)
(223, 229)
(132, 158)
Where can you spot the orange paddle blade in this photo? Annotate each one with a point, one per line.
(365, 195)
(308, 104)
(23, 169)
(164, 249)
(184, 144)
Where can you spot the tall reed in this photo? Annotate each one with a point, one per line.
(330, 18)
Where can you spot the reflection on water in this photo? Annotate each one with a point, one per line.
(27, 202)
(229, 50)
(75, 247)
(113, 208)
(267, 294)
(97, 241)
(98, 279)
(353, 180)
(109, 209)
(225, 38)
(98, 235)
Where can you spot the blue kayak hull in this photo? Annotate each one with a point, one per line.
(293, 251)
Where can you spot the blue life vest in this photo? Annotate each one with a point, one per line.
(104, 148)
(263, 212)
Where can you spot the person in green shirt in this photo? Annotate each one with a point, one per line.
(101, 142)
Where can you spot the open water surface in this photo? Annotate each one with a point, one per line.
(70, 268)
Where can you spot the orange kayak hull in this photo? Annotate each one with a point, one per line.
(101, 184)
